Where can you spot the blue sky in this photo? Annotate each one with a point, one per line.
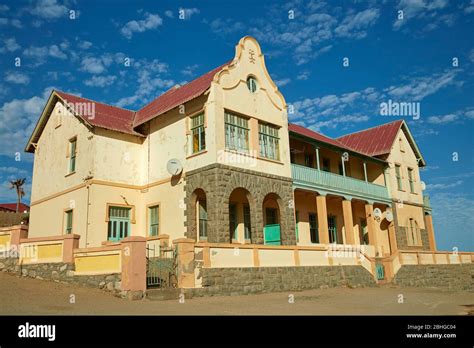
(411, 59)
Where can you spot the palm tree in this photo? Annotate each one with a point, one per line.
(18, 185)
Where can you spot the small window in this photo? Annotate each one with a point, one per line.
(252, 84)
(72, 155)
(153, 213)
(68, 220)
(269, 141)
(411, 180)
(198, 133)
(399, 177)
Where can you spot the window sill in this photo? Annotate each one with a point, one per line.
(237, 152)
(69, 174)
(197, 154)
(270, 160)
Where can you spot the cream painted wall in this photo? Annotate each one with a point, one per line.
(51, 163)
(229, 92)
(406, 159)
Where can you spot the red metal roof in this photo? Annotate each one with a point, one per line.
(373, 141)
(176, 96)
(104, 116)
(12, 207)
(315, 135)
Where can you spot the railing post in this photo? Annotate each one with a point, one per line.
(70, 242)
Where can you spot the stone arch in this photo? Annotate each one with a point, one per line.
(241, 196)
(197, 200)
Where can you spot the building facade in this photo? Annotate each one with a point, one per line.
(216, 160)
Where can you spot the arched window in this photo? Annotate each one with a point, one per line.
(252, 84)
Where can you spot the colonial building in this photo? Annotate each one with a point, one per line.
(216, 160)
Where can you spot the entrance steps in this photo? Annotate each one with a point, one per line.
(163, 294)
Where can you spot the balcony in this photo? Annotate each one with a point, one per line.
(305, 177)
(426, 202)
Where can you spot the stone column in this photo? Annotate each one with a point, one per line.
(134, 264)
(430, 230)
(322, 219)
(369, 215)
(70, 242)
(16, 233)
(348, 222)
(185, 269)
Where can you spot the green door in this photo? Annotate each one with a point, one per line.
(271, 231)
(119, 223)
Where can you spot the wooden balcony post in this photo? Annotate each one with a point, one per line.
(369, 215)
(365, 172)
(317, 157)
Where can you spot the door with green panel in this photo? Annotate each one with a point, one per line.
(119, 223)
(271, 231)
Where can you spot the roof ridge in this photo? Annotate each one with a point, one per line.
(366, 129)
(95, 101)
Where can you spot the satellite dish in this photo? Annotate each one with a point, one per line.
(377, 213)
(174, 166)
(388, 215)
(423, 185)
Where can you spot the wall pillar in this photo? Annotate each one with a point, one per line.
(134, 264)
(322, 219)
(393, 238)
(185, 269)
(348, 221)
(16, 233)
(70, 242)
(369, 216)
(430, 230)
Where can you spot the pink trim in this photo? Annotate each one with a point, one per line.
(162, 236)
(48, 239)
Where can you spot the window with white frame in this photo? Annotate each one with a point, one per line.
(269, 141)
(411, 180)
(68, 221)
(198, 132)
(236, 133)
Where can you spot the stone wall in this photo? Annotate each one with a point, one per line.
(64, 273)
(402, 240)
(242, 281)
(458, 277)
(218, 181)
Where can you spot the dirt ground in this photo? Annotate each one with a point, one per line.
(24, 296)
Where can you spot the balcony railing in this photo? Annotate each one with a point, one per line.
(426, 202)
(305, 176)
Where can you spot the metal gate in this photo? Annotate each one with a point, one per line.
(161, 267)
(380, 271)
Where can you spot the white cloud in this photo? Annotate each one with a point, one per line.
(49, 9)
(418, 9)
(169, 14)
(226, 26)
(4, 8)
(442, 119)
(17, 120)
(188, 12)
(190, 70)
(422, 87)
(469, 8)
(100, 81)
(13, 22)
(443, 186)
(338, 121)
(41, 53)
(92, 65)
(17, 78)
(151, 21)
(283, 82)
(9, 45)
(304, 75)
(84, 45)
(460, 115)
(355, 25)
